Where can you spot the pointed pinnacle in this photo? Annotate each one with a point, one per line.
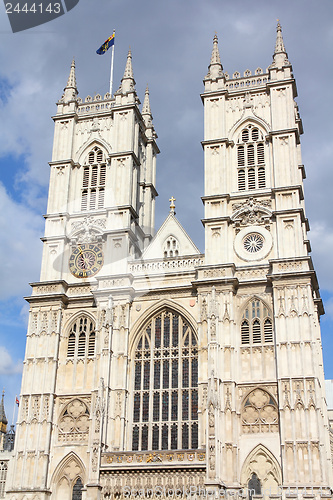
(71, 83)
(70, 91)
(146, 104)
(3, 418)
(279, 45)
(128, 73)
(215, 59)
(215, 69)
(280, 56)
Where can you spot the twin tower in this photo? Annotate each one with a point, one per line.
(153, 369)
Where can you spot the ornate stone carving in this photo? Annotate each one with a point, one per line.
(213, 327)
(228, 400)
(214, 273)
(298, 400)
(74, 422)
(88, 230)
(204, 309)
(260, 413)
(35, 407)
(252, 212)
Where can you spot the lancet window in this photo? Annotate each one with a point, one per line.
(165, 405)
(77, 490)
(81, 339)
(93, 183)
(171, 247)
(3, 476)
(251, 159)
(256, 324)
(254, 486)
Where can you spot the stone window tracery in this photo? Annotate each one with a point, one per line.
(81, 339)
(74, 422)
(93, 183)
(259, 413)
(171, 247)
(251, 159)
(165, 401)
(256, 324)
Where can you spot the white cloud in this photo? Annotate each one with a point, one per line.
(20, 248)
(7, 365)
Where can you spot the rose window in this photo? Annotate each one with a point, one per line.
(253, 242)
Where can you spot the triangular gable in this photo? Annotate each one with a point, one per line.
(171, 228)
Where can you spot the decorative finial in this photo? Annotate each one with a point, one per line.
(172, 205)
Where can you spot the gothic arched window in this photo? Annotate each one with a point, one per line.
(251, 159)
(77, 490)
(254, 486)
(81, 339)
(256, 324)
(93, 184)
(165, 401)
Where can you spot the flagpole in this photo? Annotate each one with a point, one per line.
(14, 410)
(111, 74)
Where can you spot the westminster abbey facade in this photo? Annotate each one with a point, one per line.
(152, 369)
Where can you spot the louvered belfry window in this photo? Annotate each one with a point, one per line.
(93, 184)
(165, 396)
(251, 159)
(256, 325)
(81, 339)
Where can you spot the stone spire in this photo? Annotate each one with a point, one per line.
(280, 56)
(215, 69)
(3, 419)
(70, 91)
(128, 82)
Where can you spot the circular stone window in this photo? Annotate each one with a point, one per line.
(253, 243)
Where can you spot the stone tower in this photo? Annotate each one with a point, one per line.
(152, 369)
(266, 346)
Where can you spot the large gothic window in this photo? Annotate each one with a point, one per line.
(165, 404)
(93, 184)
(251, 159)
(81, 340)
(256, 324)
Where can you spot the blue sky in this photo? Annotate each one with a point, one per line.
(171, 46)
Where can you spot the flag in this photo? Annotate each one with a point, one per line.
(17, 401)
(106, 45)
